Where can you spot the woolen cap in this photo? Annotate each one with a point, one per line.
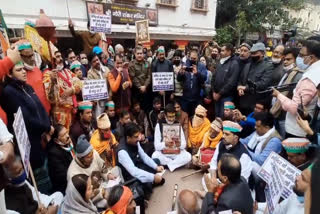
(258, 47)
(83, 147)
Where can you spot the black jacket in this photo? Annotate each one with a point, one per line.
(235, 197)
(277, 73)
(18, 94)
(261, 74)
(58, 164)
(226, 78)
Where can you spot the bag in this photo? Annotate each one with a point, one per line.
(137, 190)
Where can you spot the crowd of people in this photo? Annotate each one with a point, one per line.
(230, 108)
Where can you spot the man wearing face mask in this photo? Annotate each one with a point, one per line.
(230, 144)
(84, 62)
(162, 143)
(305, 91)
(34, 75)
(277, 61)
(103, 141)
(291, 75)
(257, 71)
(192, 78)
(177, 66)
(161, 64)
(225, 81)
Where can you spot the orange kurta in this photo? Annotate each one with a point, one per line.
(102, 146)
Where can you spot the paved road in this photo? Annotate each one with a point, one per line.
(161, 199)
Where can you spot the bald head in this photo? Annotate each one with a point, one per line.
(229, 166)
(187, 202)
(119, 49)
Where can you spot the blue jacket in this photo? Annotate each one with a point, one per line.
(18, 94)
(274, 145)
(192, 84)
(251, 121)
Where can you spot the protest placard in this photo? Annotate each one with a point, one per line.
(162, 81)
(274, 189)
(94, 90)
(142, 31)
(286, 169)
(22, 139)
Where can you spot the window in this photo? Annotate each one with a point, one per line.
(126, 1)
(200, 5)
(167, 3)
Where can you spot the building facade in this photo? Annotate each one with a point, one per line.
(186, 20)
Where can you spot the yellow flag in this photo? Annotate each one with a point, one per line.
(37, 42)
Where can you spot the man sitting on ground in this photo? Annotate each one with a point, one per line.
(210, 141)
(169, 145)
(263, 141)
(228, 111)
(121, 201)
(103, 141)
(187, 202)
(230, 144)
(198, 126)
(233, 194)
(124, 119)
(299, 152)
(111, 111)
(135, 163)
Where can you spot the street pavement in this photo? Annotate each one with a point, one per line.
(161, 198)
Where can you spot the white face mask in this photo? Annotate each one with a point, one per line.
(276, 60)
(59, 67)
(289, 67)
(28, 67)
(84, 62)
(223, 60)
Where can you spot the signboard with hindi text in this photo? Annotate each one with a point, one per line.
(94, 90)
(123, 13)
(24, 146)
(287, 170)
(162, 81)
(100, 19)
(274, 189)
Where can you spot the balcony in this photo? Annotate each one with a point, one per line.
(167, 3)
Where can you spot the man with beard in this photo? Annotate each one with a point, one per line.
(244, 56)
(225, 80)
(103, 141)
(84, 123)
(124, 119)
(161, 64)
(155, 114)
(61, 87)
(58, 60)
(259, 72)
(295, 203)
(198, 126)
(170, 150)
(34, 75)
(291, 75)
(140, 74)
(98, 71)
(210, 141)
(229, 107)
(277, 61)
(111, 111)
(230, 144)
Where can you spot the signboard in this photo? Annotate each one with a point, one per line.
(162, 81)
(20, 131)
(274, 189)
(286, 169)
(94, 90)
(123, 14)
(100, 19)
(142, 31)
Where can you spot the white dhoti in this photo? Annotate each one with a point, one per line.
(173, 161)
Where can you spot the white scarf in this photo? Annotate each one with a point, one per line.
(223, 60)
(256, 140)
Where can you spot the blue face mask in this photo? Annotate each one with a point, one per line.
(300, 64)
(20, 179)
(300, 199)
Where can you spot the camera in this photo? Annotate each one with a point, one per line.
(189, 69)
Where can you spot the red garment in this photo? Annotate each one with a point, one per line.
(5, 65)
(35, 79)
